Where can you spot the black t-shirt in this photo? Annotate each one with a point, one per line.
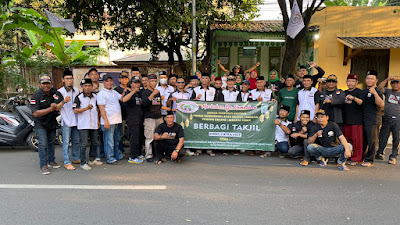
(330, 134)
(151, 109)
(134, 109)
(120, 90)
(40, 100)
(351, 110)
(174, 133)
(328, 106)
(371, 112)
(296, 128)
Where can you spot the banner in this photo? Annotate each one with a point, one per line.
(296, 23)
(223, 125)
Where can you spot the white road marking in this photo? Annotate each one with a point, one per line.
(83, 187)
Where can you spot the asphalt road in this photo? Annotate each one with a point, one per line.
(201, 190)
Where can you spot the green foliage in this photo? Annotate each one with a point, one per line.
(356, 2)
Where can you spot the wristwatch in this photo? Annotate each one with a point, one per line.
(177, 150)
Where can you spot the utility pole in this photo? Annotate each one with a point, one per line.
(194, 40)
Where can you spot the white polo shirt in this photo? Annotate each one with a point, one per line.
(307, 101)
(164, 92)
(110, 99)
(245, 96)
(230, 96)
(266, 95)
(67, 112)
(280, 135)
(206, 94)
(87, 120)
(179, 95)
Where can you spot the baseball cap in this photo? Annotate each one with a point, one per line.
(44, 78)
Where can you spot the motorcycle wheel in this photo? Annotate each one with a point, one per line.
(33, 142)
(59, 137)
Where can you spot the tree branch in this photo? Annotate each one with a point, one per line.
(282, 5)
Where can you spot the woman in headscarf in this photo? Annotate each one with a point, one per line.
(273, 82)
(253, 79)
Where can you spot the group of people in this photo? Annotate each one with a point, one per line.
(312, 123)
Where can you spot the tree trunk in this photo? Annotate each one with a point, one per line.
(180, 60)
(292, 53)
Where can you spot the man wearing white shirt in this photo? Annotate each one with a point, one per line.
(110, 111)
(282, 131)
(244, 94)
(261, 94)
(307, 99)
(230, 93)
(64, 98)
(164, 89)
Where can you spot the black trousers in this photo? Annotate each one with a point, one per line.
(371, 133)
(164, 149)
(389, 125)
(134, 132)
(300, 150)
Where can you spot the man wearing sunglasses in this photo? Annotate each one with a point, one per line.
(390, 119)
(332, 99)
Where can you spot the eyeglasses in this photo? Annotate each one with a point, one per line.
(331, 81)
(180, 82)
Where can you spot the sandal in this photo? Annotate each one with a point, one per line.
(197, 153)
(178, 160)
(161, 161)
(252, 153)
(210, 153)
(69, 167)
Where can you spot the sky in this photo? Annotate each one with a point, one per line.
(270, 10)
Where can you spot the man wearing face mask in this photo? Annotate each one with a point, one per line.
(164, 89)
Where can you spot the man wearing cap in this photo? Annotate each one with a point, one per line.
(323, 141)
(230, 93)
(298, 137)
(85, 107)
(302, 71)
(165, 90)
(261, 94)
(219, 97)
(193, 83)
(135, 73)
(145, 82)
(169, 139)
(134, 119)
(372, 118)
(244, 94)
(307, 98)
(391, 118)
(44, 111)
(110, 111)
(64, 98)
(123, 84)
(282, 131)
(332, 100)
(288, 95)
(172, 80)
(204, 92)
(352, 118)
(152, 114)
(93, 74)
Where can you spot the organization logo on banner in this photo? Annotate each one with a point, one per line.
(187, 107)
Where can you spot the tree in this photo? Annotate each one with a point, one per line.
(293, 46)
(157, 25)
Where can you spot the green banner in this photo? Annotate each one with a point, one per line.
(223, 125)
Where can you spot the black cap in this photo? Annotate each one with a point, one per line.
(302, 67)
(135, 79)
(92, 69)
(372, 72)
(67, 72)
(124, 74)
(194, 78)
(260, 78)
(307, 76)
(173, 75)
(305, 112)
(86, 81)
(205, 74)
(170, 113)
(246, 82)
(232, 73)
(143, 75)
(162, 73)
(152, 77)
(320, 112)
(135, 68)
(106, 76)
(290, 76)
(285, 107)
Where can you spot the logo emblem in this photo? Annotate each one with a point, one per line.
(187, 107)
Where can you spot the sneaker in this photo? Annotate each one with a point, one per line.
(115, 163)
(142, 157)
(135, 161)
(86, 167)
(343, 167)
(149, 160)
(380, 156)
(367, 164)
(323, 162)
(97, 162)
(392, 161)
(45, 170)
(54, 165)
(304, 163)
(189, 153)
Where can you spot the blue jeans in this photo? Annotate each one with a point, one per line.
(67, 134)
(111, 139)
(318, 152)
(94, 144)
(46, 140)
(283, 147)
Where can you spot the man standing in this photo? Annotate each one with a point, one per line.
(145, 82)
(261, 93)
(244, 94)
(85, 108)
(172, 80)
(288, 95)
(352, 119)
(165, 90)
(135, 73)
(303, 71)
(219, 97)
(372, 117)
(332, 99)
(123, 84)
(64, 98)
(391, 118)
(323, 142)
(230, 94)
(194, 82)
(44, 111)
(307, 98)
(298, 137)
(110, 111)
(179, 93)
(169, 139)
(282, 131)
(94, 76)
(152, 114)
(133, 102)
